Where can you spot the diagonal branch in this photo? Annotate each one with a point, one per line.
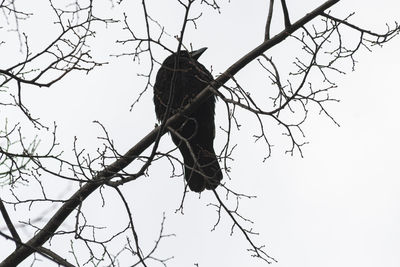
(47, 253)
(132, 226)
(55, 257)
(10, 225)
(257, 250)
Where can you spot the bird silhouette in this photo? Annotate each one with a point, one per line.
(180, 78)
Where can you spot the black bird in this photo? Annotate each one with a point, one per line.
(194, 135)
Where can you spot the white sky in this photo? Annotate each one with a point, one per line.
(337, 206)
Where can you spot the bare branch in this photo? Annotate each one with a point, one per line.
(10, 225)
(269, 20)
(285, 14)
(257, 250)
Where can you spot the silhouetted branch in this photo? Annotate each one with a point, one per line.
(269, 20)
(42, 251)
(9, 224)
(285, 14)
(138, 250)
(233, 214)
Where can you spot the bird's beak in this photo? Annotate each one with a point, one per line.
(197, 53)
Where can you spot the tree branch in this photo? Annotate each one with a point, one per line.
(10, 225)
(285, 14)
(47, 253)
(269, 19)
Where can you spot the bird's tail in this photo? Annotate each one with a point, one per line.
(205, 172)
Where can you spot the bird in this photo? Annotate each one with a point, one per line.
(180, 78)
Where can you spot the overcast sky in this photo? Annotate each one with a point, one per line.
(339, 205)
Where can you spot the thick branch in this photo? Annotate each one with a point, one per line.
(103, 176)
(47, 253)
(285, 14)
(269, 20)
(10, 225)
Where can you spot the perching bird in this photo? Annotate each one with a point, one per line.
(194, 135)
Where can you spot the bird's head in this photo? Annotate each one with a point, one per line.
(197, 53)
(194, 55)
